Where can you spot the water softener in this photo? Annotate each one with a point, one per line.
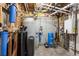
(4, 36)
(22, 42)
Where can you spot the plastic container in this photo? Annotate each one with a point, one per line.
(50, 38)
(4, 37)
(12, 13)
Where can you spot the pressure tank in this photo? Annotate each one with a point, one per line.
(50, 38)
(4, 37)
(30, 46)
(12, 13)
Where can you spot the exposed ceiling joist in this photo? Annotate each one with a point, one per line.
(25, 6)
(69, 5)
(31, 7)
(57, 8)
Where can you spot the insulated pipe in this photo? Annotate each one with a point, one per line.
(63, 8)
(69, 5)
(58, 11)
(57, 8)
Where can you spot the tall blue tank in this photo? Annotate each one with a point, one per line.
(50, 38)
(12, 13)
(4, 36)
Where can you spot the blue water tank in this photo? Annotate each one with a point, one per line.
(50, 38)
(12, 13)
(4, 37)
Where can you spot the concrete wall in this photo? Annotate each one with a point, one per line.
(47, 23)
(69, 24)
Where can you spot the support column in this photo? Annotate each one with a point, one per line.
(75, 12)
(15, 44)
(10, 44)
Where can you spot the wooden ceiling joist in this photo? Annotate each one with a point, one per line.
(31, 7)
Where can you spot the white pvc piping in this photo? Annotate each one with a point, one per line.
(60, 9)
(69, 5)
(63, 8)
(56, 8)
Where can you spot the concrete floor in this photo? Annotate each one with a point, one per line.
(42, 51)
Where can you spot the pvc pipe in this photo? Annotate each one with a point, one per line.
(63, 8)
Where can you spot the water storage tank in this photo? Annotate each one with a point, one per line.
(30, 23)
(12, 13)
(30, 46)
(4, 37)
(50, 38)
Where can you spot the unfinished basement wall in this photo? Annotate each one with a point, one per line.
(72, 32)
(48, 25)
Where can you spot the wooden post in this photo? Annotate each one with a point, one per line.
(58, 17)
(15, 44)
(10, 44)
(75, 12)
(1, 17)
